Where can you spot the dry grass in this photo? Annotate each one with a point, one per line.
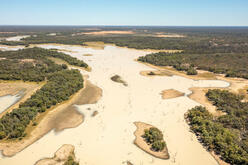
(171, 93)
(156, 73)
(95, 45)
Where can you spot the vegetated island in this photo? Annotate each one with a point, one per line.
(227, 134)
(171, 93)
(64, 156)
(118, 79)
(150, 139)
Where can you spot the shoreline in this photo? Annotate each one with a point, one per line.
(15, 87)
(11, 147)
(236, 85)
(140, 142)
(61, 155)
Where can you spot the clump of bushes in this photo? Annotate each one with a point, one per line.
(151, 73)
(71, 161)
(154, 137)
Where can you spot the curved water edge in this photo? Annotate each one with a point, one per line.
(9, 100)
(110, 133)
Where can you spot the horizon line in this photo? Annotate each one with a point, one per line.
(140, 25)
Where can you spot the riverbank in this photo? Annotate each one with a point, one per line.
(60, 156)
(60, 117)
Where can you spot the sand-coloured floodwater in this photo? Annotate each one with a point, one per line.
(7, 101)
(107, 138)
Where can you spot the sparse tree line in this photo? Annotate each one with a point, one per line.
(61, 84)
(227, 135)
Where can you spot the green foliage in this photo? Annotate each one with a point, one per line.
(151, 73)
(226, 135)
(32, 64)
(154, 137)
(61, 84)
(71, 161)
(231, 64)
(191, 71)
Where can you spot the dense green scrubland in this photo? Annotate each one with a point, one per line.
(230, 64)
(196, 40)
(61, 84)
(227, 135)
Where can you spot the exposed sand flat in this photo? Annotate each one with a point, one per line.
(60, 117)
(60, 156)
(112, 129)
(171, 93)
(141, 143)
(198, 95)
(108, 32)
(17, 38)
(8, 48)
(14, 87)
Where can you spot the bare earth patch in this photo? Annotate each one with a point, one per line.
(60, 117)
(171, 93)
(60, 156)
(198, 95)
(95, 45)
(156, 73)
(87, 55)
(141, 143)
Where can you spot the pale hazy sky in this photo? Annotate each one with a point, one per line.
(125, 12)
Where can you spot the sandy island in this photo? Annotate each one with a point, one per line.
(171, 93)
(60, 156)
(118, 79)
(140, 142)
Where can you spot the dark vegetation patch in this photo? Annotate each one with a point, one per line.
(118, 79)
(154, 137)
(230, 64)
(61, 84)
(227, 135)
(71, 161)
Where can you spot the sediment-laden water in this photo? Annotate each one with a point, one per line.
(107, 139)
